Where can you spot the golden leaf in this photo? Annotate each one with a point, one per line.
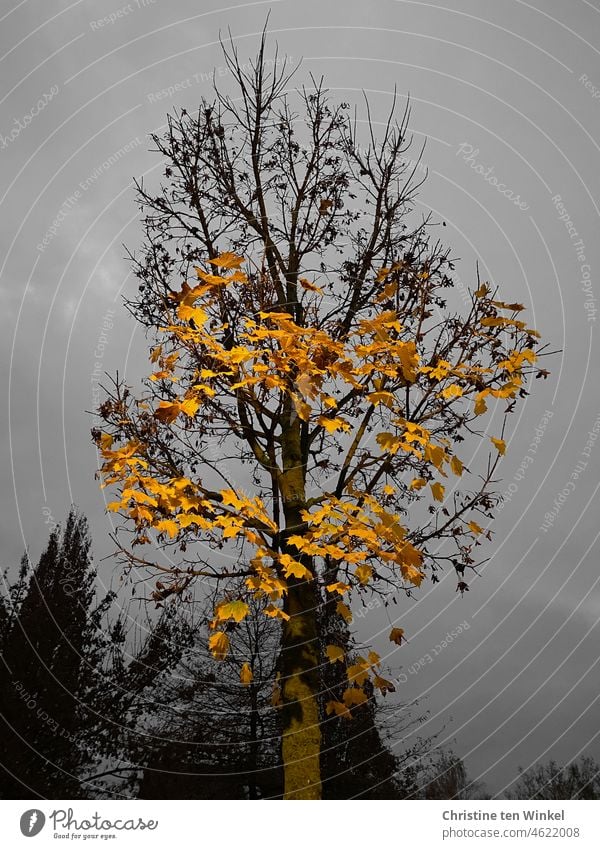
(354, 696)
(167, 411)
(331, 425)
(388, 442)
(246, 676)
(480, 405)
(412, 575)
(276, 612)
(338, 708)
(293, 567)
(236, 610)
(358, 673)
(303, 409)
(169, 526)
(499, 444)
(335, 653)
(364, 573)
(385, 398)
(196, 314)
(477, 529)
(344, 611)
(310, 287)
(388, 290)
(452, 391)
(189, 407)
(397, 636)
(227, 260)
(338, 587)
(106, 441)
(456, 465)
(218, 644)
(437, 490)
(383, 685)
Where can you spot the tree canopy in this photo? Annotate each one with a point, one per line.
(311, 384)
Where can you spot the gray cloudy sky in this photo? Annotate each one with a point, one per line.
(509, 86)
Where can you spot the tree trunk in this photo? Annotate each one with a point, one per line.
(301, 740)
(301, 743)
(253, 765)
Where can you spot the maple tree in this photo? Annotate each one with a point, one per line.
(311, 386)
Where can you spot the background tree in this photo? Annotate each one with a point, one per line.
(447, 778)
(43, 673)
(210, 729)
(314, 351)
(577, 780)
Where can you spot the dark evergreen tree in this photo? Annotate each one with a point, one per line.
(45, 637)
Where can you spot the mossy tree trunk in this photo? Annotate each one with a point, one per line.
(301, 738)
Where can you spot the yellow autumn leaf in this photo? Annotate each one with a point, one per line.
(456, 465)
(388, 489)
(388, 442)
(344, 611)
(310, 287)
(168, 526)
(189, 407)
(411, 574)
(387, 292)
(275, 612)
(218, 644)
(397, 636)
(499, 444)
(452, 391)
(480, 404)
(167, 411)
(359, 671)
(335, 653)
(246, 676)
(236, 610)
(338, 587)
(383, 685)
(417, 483)
(482, 291)
(477, 529)
(364, 573)
(106, 441)
(331, 425)
(294, 567)
(437, 490)
(196, 314)
(227, 260)
(338, 708)
(303, 409)
(354, 696)
(385, 398)
(232, 499)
